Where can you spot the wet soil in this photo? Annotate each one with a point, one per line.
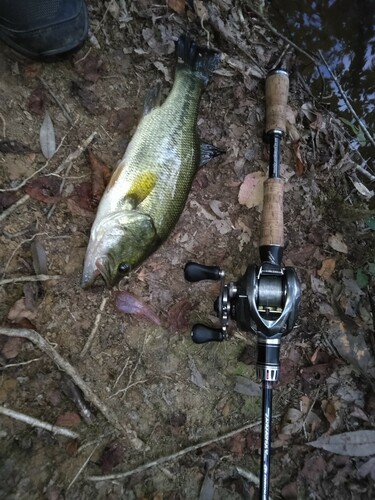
(171, 392)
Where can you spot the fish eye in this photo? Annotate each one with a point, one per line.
(123, 268)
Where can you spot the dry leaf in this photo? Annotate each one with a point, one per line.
(177, 5)
(251, 190)
(368, 468)
(330, 409)
(12, 347)
(327, 269)
(101, 174)
(6, 200)
(353, 444)
(47, 137)
(122, 120)
(88, 99)
(247, 387)
(112, 455)
(69, 419)
(91, 68)
(300, 167)
(37, 101)
(19, 311)
(45, 189)
(179, 315)
(337, 243)
(200, 9)
(129, 304)
(195, 375)
(39, 256)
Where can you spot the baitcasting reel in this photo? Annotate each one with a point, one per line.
(264, 301)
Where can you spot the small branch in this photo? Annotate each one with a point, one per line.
(68, 163)
(35, 422)
(25, 181)
(91, 337)
(347, 102)
(14, 207)
(16, 365)
(82, 468)
(44, 346)
(175, 456)
(57, 100)
(37, 277)
(365, 172)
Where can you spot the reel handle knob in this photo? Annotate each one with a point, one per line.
(198, 272)
(202, 334)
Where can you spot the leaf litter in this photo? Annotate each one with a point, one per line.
(213, 228)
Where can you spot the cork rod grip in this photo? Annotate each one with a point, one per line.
(272, 226)
(277, 89)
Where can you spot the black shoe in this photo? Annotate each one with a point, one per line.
(43, 29)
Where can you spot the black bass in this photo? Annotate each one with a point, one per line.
(148, 190)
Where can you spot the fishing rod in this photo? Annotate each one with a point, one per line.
(266, 298)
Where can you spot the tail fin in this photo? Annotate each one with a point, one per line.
(199, 60)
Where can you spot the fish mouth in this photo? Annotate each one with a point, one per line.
(100, 270)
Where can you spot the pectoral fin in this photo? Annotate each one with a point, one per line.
(208, 152)
(140, 189)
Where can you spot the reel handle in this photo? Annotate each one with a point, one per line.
(202, 334)
(277, 89)
(198, 272)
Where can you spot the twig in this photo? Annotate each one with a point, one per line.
(68, 163)
(347, 102)
(37, 277)
(281, 36)
(219, 26)
(365, 172)
(44, 346)
(57, 100)
(174, 456)
(16, 249)
(91, 337)
(25, 181)
(16, 365)
(35, 422)
(83, 466)
(4, 124)
(14, 207)
(130, 384)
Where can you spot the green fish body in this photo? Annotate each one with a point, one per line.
(148, 190)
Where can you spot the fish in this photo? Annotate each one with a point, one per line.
(148, 190)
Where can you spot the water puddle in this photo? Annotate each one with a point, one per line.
(344, 31)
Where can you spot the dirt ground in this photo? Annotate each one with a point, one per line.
(172, 393)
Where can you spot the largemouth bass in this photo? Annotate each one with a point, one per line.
(148, 190)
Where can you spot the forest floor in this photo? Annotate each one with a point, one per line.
(151, 392)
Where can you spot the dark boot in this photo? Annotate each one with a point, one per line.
(43, 29)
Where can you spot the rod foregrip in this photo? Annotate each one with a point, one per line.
(277, 89)
(272, 225)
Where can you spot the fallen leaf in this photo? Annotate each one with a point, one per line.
(37, 101)
(91, 68)
(318, 286)
(331, 412)
(101, 174)
(68, 419)
(19, 311)
(177, 5)
(88, 99)
(207, 490)
(14, 147)
(314, 469)
(362, 189)
(337, 243)
(47, 137)
(237, 444)
(309, 111)
(177, 422)
(6, 200)
(327, 269)
(113, 455)
(195, 375)
(253, 441)
(122, 120)
(300, 167)
(317, 374)
(292, 422)
(354, 444)
(165, 70)
(200, 9)
(251, 190)
(33, 70)
(179, 315)
(247, 387)
(39, 256)
(152, 38)
(129, 304)
(12, 347)
(368, 468)
(81, 202)
(45, 189)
